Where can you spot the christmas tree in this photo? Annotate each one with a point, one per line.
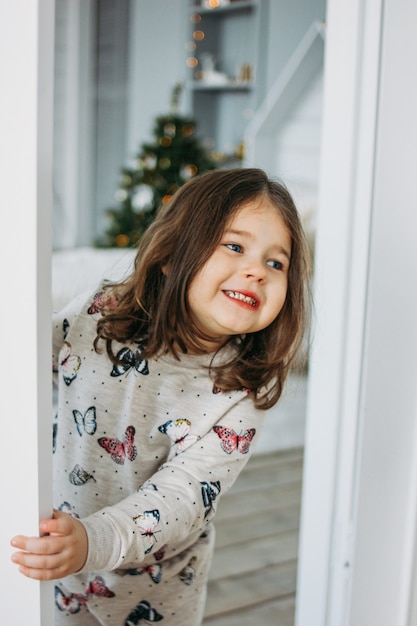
(161, 167)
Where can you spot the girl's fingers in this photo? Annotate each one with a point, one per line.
(38, 545)
(61, 523)
(38, 561)
(42, 574)
(61, 551)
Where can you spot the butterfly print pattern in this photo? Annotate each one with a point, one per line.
(68, 364)
(97, 587)
(148, 486)
(128, 360)
(54, 436)
(147, 523)
(100, 299)
(73, 602)
(65, 507)
(78, 476)
(143, 611)
(86, 423)
(216, 390)
(154, 571)
(179, 433)
(159, 554)
(209, 492)
(231, 441)
(187, 575)
(120, 450)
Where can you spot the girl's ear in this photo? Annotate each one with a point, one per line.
(165, 269)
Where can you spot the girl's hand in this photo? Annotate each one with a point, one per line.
(62, 550)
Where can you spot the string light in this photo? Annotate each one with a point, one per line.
(122, 240)
(164, 163)
(191, 62)
(195, 18)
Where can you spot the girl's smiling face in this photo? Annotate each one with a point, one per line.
(242, 287)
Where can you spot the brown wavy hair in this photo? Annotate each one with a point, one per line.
(151, 306)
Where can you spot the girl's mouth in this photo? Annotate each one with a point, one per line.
(247, 299)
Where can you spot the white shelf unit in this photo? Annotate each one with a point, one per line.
(221, 102)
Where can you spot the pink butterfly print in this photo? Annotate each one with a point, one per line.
(179, 433)
(147, 523)
(231, 441)
(97, 587)
(97, 304)
(101, 299)
(71, 603)
(154, 571)
(120, 450)
(68, 364)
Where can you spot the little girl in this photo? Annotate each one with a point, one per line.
(163, 384)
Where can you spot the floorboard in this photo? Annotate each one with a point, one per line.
(253, 575)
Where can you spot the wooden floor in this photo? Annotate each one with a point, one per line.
(253, 575)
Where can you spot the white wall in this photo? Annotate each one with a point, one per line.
(158, 34)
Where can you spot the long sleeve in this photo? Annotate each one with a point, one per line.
(179, 499)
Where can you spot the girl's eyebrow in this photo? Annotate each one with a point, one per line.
(248, 235)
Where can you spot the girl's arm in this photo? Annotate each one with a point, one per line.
(177, 502)
(62, 546)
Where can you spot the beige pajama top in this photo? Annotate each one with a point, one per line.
(143, 453)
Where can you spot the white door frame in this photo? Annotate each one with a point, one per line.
(26, 79)
(359, 505)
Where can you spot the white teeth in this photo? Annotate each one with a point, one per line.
(240, 296)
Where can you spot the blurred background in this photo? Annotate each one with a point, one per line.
(149, 92)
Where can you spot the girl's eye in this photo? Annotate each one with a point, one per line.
(276, 265)
(234, 246)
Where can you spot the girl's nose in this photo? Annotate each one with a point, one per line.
(255, 270)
